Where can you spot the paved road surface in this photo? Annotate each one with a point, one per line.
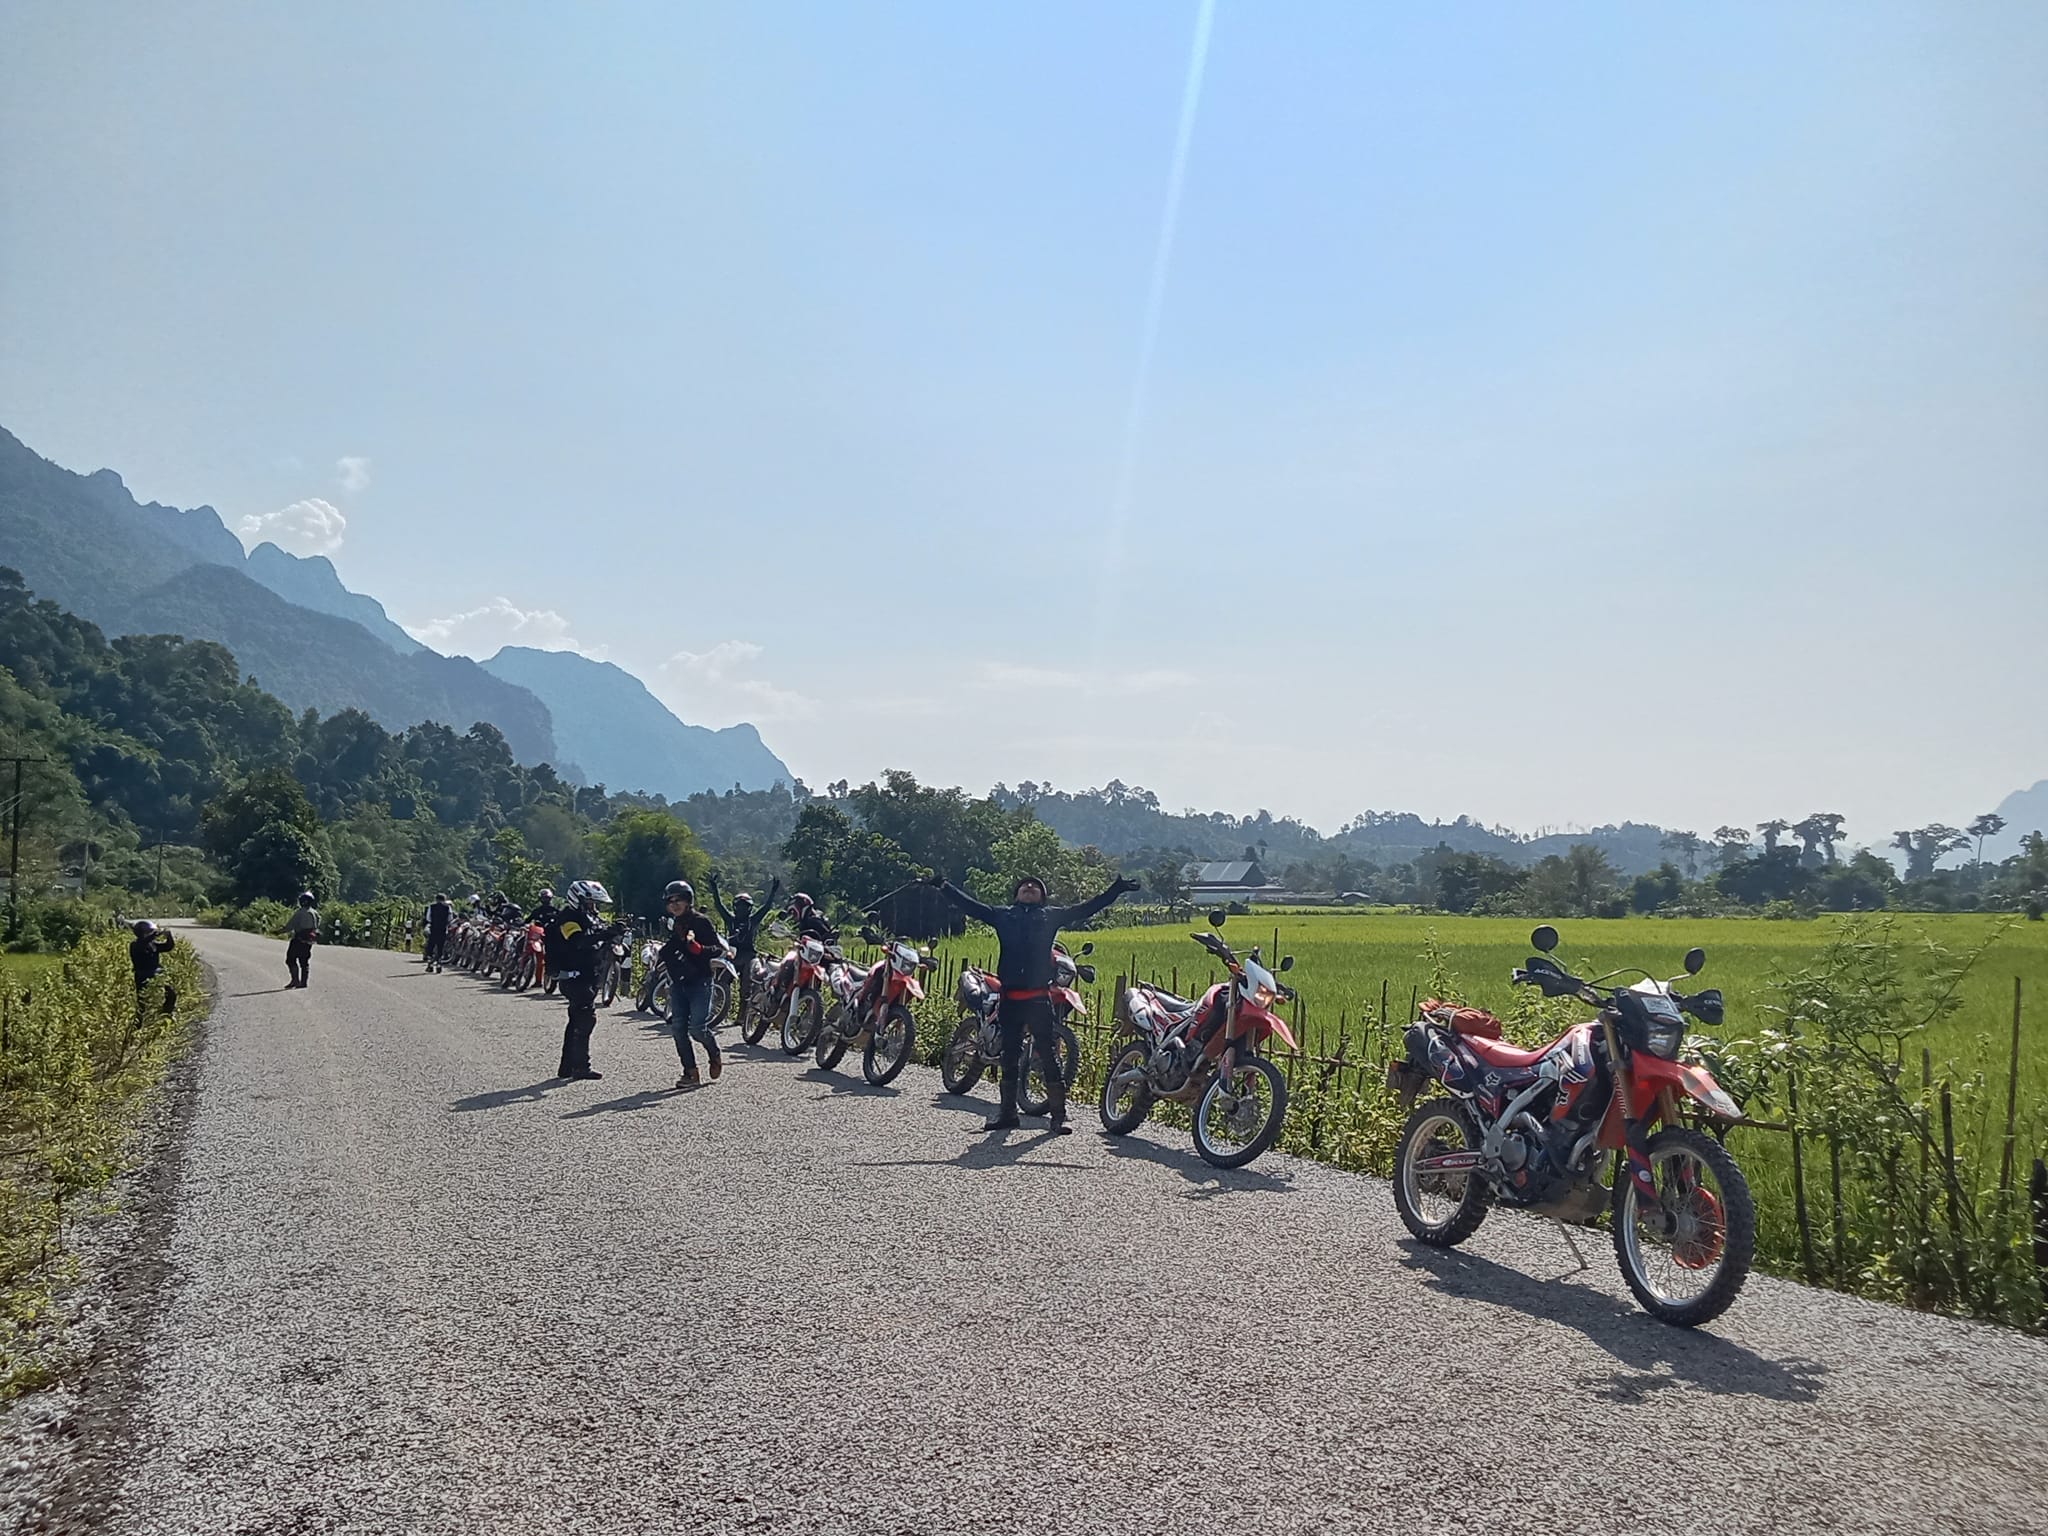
(418, 1286)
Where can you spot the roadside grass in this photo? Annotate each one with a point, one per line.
(79, 1054)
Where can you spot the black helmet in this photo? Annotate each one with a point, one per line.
(743, 902)
(144, 929)
(440, 895)
(547, 895)
(1024, 880)
(801, 902)
(679, 890)
(305, 898)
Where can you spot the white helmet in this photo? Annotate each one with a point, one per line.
(590, 894)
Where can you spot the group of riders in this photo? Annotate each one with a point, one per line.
(578, 935)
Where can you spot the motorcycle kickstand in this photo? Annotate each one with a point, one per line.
(1572, 1243)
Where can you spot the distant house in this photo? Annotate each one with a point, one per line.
(1235, 879)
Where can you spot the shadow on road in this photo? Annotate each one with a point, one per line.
(1206, 1181)
(498, 1098)
(1653, 1356)
(996, 1149)
(645, 1099)
(260, 992)
(839, 1087)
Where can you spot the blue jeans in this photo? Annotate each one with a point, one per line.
(689, 1013)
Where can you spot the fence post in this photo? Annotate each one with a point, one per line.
(2012, 1104)
(2039, 1191)
(1923, 1231)
(1800, 1213)
(1955, 1214)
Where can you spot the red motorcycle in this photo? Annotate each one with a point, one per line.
(1537, 1129)
(873, 1010)
(803, 1011)
(977, 1043)
(527, 960)
(1204, 1053)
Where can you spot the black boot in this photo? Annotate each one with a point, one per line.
(1006, 1114)
(1057, 1114)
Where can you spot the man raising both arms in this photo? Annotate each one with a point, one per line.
(1025, 930)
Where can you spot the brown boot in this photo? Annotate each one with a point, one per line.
(717, 1066)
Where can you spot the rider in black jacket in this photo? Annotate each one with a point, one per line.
(575, 943)
(742, 923)
(544, 911)
(1025, 930)
(687, 955)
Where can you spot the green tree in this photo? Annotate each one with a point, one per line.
(821, 831)
(1924, 847)
(1687, 846)
(278, 861)
(1731, 846)
(1990, 824)
(639, 852)
(1168, 882)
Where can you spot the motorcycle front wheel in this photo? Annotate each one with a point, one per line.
(831, 1043)
(1686, 1256)
(961, 1067)
(1034, 1093)
(801, 1023)
(1125, 1104)
(608, 991)
(754, 1019)
(888, 1048)
(1440, 1208)
(721, 1004)
(1239, 1115)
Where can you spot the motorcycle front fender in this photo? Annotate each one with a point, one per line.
(1653, 1074)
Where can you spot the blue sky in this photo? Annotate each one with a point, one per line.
(1556, 414)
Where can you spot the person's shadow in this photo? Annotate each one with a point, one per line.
(993, 1149)
(498, 1098)
(1650, 1356)
(645, 1099)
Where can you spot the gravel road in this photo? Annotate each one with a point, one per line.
(418, 1286)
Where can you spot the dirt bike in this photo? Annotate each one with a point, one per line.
(1537, 1129)
(977, 1043)
(529, 957)
(614, 969)
(872, 1010)
(760, 980)
(803, 1012)
(1204, 1053)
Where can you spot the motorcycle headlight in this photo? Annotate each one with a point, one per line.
(1665, 1039)
(1264, 997)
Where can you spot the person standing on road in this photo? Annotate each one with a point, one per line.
(686, 955)
(440, 914)
(1025, 931)
(301, 929)
(575, 942)
(742, 925)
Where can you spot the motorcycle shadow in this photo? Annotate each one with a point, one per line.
(839, 1086)
(1652, 1356)
(1206, 1181)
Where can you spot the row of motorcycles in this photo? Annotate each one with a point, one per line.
(513, 952)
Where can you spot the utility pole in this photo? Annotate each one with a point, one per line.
(14, 850)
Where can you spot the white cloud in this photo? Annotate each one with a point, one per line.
(482, 632)
(1096, 684)
(354, 471)
(713, 687)
(309, 527)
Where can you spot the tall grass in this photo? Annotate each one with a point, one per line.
(78, 1052)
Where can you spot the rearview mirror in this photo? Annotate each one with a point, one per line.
(1695, 961)
(1544, 938)
(1216, 918)
(1287, 962)
(1088, 948)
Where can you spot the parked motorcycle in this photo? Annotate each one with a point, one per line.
(803, 1012)
(1537, 1129)
(1204, 1053)
(760, 981)
(528, 957)
(615, 969)
(872, 1010)
(977, 1043)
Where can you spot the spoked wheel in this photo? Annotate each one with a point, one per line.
(1034, 1093)
(1440, 1206)
(658, 995)
(1686, 1254)
(888, 1048)
(831, 1043)
(800, 1025)
(721, 1004)
(608, 991)
(961, 1067)
(1239, 1114)
(1126, 1097)
(547, 988)
(754, 1018)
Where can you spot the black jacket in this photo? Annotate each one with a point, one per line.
(146, 955)
(812, 925)
(439, 915)
(741, 930)
(543, 914)
(1026, 933)
(575, 943)
(691, 946)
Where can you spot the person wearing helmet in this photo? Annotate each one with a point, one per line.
(301, 929)
(810, 922)
(575, 942)
(686, 955)
(440, 914)
(742, 925)
(1025, 931)
(146, 954)
(544, 910)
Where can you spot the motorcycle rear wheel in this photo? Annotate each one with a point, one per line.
(1231, 1137)
(1714, 1239)
(721, 1004)
(754, 1019)
(1034, 1093)
(1441, 1209)
(961, 1067)
(889, 1047)
(831, 1043)
(1124, 1106)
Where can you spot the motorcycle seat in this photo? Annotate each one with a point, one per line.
(1500, 1054)
(1177, 1006)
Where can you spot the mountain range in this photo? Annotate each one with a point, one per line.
(131, 567)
